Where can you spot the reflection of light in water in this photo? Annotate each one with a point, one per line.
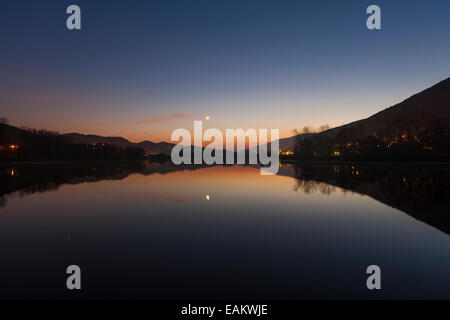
(207, 197)
(12, 172)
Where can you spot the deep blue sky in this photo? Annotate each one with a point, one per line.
(143, 68)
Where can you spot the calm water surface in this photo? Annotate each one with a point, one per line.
(159, 231)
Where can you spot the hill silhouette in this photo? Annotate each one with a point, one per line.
(419, 123)
(416, 117)
(43, 145)
(148, 146)
(434, 101)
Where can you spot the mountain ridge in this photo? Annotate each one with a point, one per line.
(148, 146)
(434, 101)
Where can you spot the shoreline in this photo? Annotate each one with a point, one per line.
(68, 162)
(367, 161)
(282, 161)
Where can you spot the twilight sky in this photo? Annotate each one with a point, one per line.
(141, 69)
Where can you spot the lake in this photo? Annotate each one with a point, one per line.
(159, 231)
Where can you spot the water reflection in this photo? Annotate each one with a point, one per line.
(28, 179)
(420, 190)
(149, 230)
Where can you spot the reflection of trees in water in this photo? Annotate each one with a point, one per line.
(29, 179)
(311, 186)
(421, 190)
(3, 201)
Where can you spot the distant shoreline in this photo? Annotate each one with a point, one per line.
(282, 161)
(374, 158)
(402, 162)
(46, 162)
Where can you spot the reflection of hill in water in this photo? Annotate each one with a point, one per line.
(421, 190)
(34, 178)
